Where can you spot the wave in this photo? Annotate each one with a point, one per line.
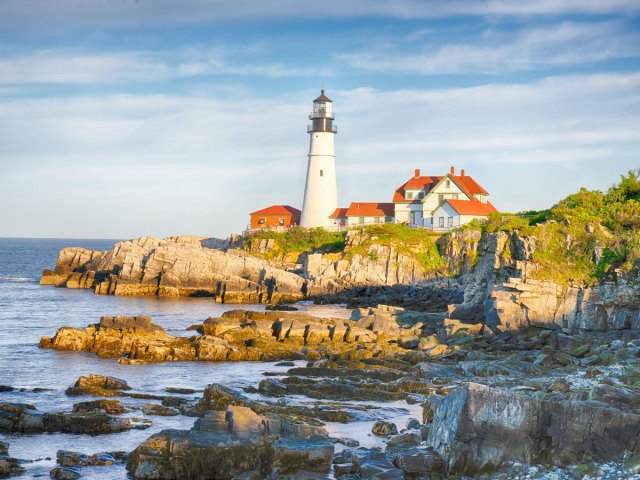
(13, 279)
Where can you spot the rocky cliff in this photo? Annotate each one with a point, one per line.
(478, 277)
(176, 266)
(501, 289)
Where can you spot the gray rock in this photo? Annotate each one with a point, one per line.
(384, 429)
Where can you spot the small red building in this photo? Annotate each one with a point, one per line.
(283, 216)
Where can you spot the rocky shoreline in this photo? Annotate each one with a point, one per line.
(537, 403)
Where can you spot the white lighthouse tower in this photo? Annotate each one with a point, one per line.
(320, 192)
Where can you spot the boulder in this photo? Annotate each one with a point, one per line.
(9, 467)
(160, 410)
(477, 428)
(384, 429)
(97, 385)
(229, 443)
(219, 397)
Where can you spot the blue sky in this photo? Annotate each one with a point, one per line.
(123, 118)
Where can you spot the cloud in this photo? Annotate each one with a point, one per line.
(531, 48)
(149, 13)
(77, 67)
(125, 165)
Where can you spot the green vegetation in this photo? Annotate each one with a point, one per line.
(411, 242)
(298, 240)
(584, 236)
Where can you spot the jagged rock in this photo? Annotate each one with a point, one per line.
(68, 458)
(97, 385)
(476, 428)
(113, 407)
(9, 467)
(65, 473)
(384, 429)
(175, 266)
(161, 410)
(230, 443)
(219, 397)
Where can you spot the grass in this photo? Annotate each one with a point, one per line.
(299, 240)
(572, 233)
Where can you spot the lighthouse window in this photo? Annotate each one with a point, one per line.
(322, 173)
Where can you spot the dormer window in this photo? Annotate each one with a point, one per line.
(409, 195)
(448, 183)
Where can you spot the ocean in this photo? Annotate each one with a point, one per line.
(29, 311)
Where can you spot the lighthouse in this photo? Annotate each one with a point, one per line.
(320, 192)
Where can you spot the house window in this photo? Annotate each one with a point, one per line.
(455, 196)
(409, 195)
(448, 183)
(322, 173)
(361, 220)
(450, 222)
(261, 221)
(281, 222)
(440, 198)
(441, 222)
(376, 219)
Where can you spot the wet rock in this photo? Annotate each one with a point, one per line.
(65, 473)
(6, 388)
(98, 385)
(20, 418)
(272, 386)
(219, 397)
(231, 443)
(402, 440)
(160, 410)
(184, 391)
(384, 429)
(473, 433)
(419, 462)
(413, 423)
(113, 407)
(68, 458)
(9, 467)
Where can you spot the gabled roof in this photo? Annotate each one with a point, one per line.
(466, 183)
(339, 213)
(414, 183)
(373, 209)
(471, 207)
(277, 210)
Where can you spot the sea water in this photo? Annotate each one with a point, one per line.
(29, 311)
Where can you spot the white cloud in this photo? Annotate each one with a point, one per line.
(75, 66)
(149, 13)
(566, 43)
(125, 165)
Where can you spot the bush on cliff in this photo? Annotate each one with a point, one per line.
(299, 240)
(585, 236)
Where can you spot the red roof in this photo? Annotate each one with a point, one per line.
(364, 209)
(471, 207)
(414, 183)
(277, 210)
(466, 183)
(339, 213)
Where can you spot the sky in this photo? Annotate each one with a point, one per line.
(124, 118)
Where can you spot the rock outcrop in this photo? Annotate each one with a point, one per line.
(9, 466)
(176, 266)
(231, 442)
(477, 428)
(499, 290)
(237, 335)
(24, 418)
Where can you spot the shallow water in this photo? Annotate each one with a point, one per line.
(29, 311)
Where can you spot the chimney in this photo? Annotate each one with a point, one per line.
(452, 171)
(462, 172)
(417, 174)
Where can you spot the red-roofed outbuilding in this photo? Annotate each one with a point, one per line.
(283, 216)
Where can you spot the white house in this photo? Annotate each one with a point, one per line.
(420, 200)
